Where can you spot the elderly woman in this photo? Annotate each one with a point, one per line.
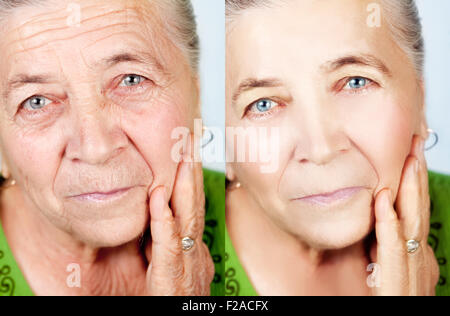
(341, 83)
(91, 93)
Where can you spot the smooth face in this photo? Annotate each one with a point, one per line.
(89, 109)
(347, 103)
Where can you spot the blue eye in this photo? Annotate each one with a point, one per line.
(264, 105)
(132, 80)
(36, 103)
(357, 83)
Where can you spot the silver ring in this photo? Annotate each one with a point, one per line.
(412, 246)
(187, 243)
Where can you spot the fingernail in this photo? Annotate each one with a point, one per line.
(422, 145)
(417, 166)
(187, 158)
(165, 193)
(383, 210)
(388, 198)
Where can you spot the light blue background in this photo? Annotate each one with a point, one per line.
(211, 29)
(436, 26)
(436, 22)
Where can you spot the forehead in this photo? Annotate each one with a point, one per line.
(89, 27)
(300, 35)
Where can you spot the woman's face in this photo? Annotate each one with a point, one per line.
(347, 103)
(90, 107)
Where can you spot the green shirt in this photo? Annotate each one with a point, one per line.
(237, 282)
(13, 283)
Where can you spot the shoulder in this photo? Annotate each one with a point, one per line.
(214, 234)
(439, 237)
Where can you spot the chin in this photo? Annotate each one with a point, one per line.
(110, 233)
(335, 236)
(111, 225)
(335, 228)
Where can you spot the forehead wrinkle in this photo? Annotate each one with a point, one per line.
(129, 51)
(122, 13)
(67, 38)
(65, 26)
(35, 18)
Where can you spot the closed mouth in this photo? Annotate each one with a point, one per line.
(328, 198)
(102, 196)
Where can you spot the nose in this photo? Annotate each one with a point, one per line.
(95, 137)
(321, 138)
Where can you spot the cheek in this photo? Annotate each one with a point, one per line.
(33, 159)
(150, 131)
(258, 160)
(383, 130)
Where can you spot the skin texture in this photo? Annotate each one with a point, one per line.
(97, 134)
(331, 137)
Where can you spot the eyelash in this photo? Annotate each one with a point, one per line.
(341, 84)
(134, 87)
(262, 115)
(37, 112)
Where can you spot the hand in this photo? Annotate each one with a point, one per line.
(173, 271)
(402, 273)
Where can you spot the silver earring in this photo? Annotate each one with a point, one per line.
(209, 139)
(435, 140)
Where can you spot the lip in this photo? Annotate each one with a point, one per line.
(102, 196)
(332, 197)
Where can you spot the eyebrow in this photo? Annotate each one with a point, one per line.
(360, 60)
(142, 58)
(24, 79)
(253, 83)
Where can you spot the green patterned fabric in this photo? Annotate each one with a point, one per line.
(214, 235)
(12, 282)
(238, 284)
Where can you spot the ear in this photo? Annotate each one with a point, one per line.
(230, 173)
(4, 171)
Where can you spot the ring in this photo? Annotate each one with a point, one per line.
(187, 243)
(412, 245)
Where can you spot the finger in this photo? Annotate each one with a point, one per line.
(423, 175)
(391, 253)
(409, 204)
(167, 264)
(188, 197)
(430, 273)
(435, 271)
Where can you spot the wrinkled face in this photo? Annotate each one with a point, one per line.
(89, 108)
(346, 101)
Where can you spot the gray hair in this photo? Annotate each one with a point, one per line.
(402, 17)
(182, 27)
(179, 21)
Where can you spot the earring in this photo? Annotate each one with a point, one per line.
(8, 182)
(234, 185)
(435, 140)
